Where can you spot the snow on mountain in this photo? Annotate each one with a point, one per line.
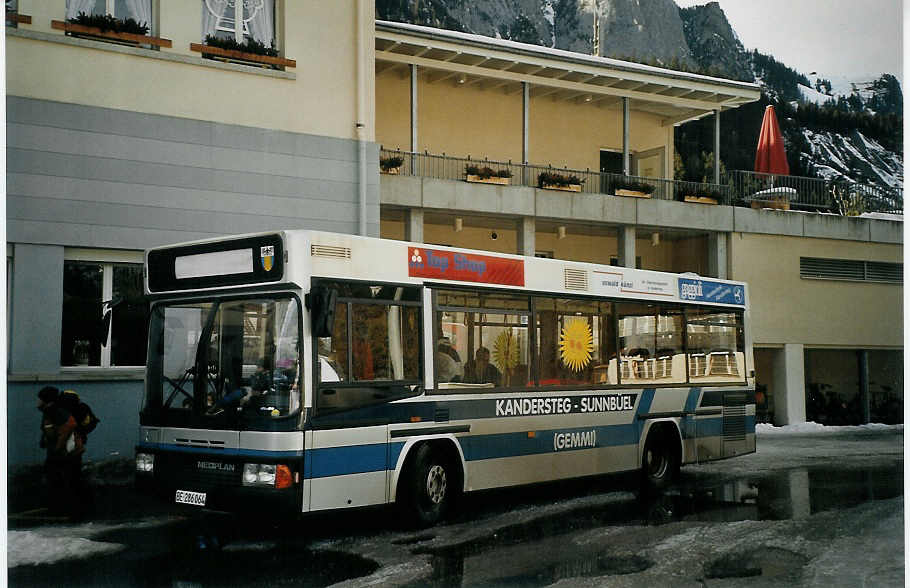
(854, 156)
(813, 95)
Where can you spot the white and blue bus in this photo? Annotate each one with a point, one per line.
(299, 371)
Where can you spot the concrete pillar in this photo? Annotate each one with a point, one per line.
(527, 229)
(413, 228)
(717, 255)
(717, 146)
(789, 385)
(525, 131)
(413, 119)
(862, 357)
(625, 239)
(626, 118)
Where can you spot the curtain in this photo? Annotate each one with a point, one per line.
(212, 13)
(74, 7)
(140, 11)
(262, 24)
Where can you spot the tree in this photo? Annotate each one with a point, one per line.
(521, 30)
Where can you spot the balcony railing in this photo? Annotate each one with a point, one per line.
(738, 188)
(814, 194)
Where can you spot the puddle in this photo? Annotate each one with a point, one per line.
(413, 540)
(255, 567)
(543, 551)
(767, 562)
(581, 567)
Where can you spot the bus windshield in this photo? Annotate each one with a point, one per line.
(224, 363)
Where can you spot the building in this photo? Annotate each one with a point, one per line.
(116, 145)
(113, 148)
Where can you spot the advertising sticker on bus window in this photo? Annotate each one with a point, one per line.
(465, 267)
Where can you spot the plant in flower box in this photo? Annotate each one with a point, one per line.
(487, 175)
(625, 187)
(250, 52)
(107, 22)
(108, 28)
(555, 181)
(391, 164)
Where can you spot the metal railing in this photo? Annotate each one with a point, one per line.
(445, 167)
(813, 194)
(737, 188)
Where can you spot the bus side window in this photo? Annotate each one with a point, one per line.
(333, 351)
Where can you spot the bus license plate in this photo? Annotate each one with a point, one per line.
(187, 497)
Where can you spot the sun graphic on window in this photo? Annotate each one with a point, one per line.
(576, 344)
(505, 351)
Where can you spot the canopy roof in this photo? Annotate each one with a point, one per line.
(675, 96)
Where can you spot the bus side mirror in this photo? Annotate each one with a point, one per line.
(322, 307)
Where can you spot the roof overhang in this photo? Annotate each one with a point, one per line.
(464, 59)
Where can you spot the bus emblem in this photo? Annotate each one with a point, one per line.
(267, 257)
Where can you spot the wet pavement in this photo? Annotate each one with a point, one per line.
(775, 518)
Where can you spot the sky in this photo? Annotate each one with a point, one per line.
(850, 38)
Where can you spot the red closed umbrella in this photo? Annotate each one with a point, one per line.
(771, 155)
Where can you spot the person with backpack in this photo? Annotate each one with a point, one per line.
(64, 440)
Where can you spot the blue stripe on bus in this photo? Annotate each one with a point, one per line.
(357, 459)
(692, 400)
(500, 445)
(351, 459)
(687, 424)
(212, 452)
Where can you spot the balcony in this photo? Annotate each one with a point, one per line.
(737, 188)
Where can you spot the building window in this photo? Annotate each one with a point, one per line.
(138, 10)
(240, 20)
(93, 291)
(12, 9)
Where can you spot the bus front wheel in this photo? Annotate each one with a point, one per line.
(430, 486)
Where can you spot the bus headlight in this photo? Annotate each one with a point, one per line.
(265, 474)
(145, 462)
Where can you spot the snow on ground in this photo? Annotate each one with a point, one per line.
(48, 545)
(37, 547)
(811, 427)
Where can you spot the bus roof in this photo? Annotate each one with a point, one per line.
(295, 256)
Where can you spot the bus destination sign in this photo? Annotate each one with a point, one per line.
(465, 267)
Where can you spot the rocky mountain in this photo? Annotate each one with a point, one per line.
(837, 130)
(713, 44)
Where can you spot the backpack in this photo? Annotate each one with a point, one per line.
(86, 421)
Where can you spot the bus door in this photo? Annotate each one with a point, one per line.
(368, 357)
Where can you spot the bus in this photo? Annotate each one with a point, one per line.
(300, 371)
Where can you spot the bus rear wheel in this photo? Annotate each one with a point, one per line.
(659, 463)
(431, 486)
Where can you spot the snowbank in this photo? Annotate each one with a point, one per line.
(35, 547)
(811, 427)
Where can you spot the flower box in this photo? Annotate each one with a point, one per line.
(633, 193)
(96, 33)
(16, 18)
(699, 199)
(392, 171)
(490, 180)
(565, 188)
(241, 56)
